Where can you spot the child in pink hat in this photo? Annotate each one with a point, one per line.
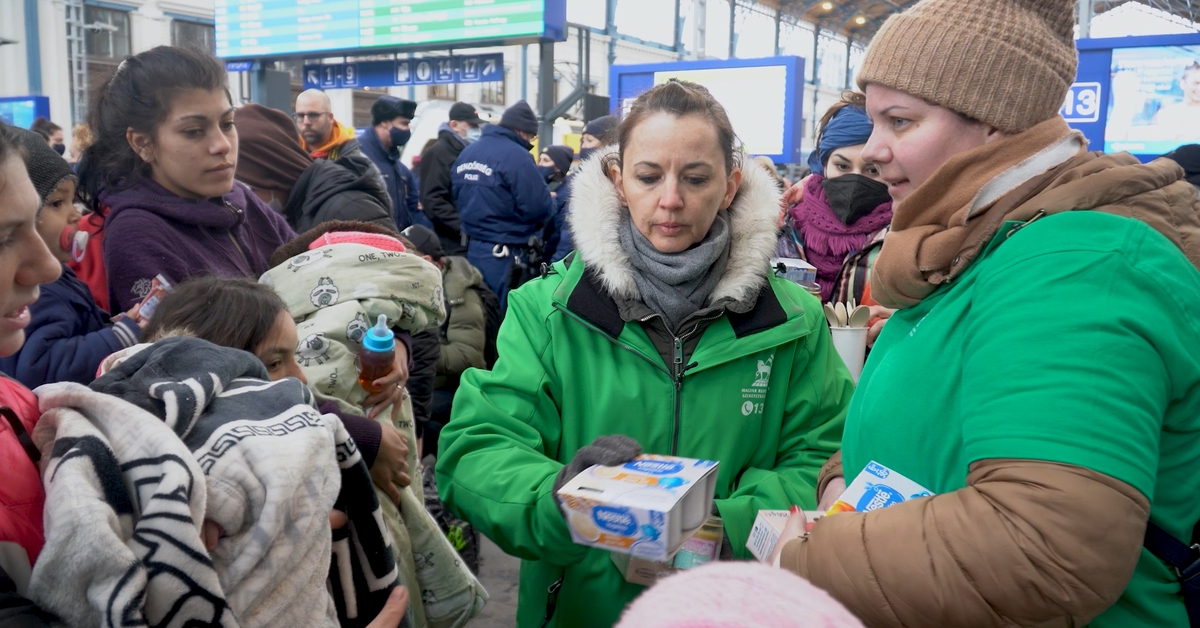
(736, 595)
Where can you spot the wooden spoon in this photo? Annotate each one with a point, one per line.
(843, 316)
(831, 315)
(860, 316)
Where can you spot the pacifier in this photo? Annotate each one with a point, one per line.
(73, 240)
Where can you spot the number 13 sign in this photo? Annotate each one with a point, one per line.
(1083, 103)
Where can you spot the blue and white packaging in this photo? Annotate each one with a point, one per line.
(645, 508)
(877, 487)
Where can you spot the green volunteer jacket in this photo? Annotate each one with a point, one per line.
(1071, 339)
(763, 391)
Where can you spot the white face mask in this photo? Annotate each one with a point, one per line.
(473, 134)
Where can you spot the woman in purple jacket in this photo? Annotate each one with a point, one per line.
(162, 167)
(163, 164)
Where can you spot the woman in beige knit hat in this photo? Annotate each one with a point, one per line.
(1041, 376)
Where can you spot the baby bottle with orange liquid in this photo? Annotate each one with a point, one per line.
(377, 355)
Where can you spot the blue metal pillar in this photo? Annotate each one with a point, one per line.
(412, 90)
(678, 29)
(778, 16)
(816, 82)
(33, 51)
(732, 29)
(610, 29)
(524, 73)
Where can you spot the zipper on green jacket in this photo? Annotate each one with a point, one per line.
(678, 393)
(676, 373)
(680, 370)
(552, 599)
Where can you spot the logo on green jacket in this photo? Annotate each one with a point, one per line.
(755, 396)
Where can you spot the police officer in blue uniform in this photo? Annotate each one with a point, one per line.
(502, 199)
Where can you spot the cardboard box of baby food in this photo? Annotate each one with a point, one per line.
(640, 570)
(646, 508)
(877, 487)
(768, 526)
(700, 549)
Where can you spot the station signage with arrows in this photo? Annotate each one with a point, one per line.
(480, 68)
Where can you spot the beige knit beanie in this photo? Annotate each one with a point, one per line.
(1007, 63)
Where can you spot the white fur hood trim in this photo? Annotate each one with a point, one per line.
(753, 220)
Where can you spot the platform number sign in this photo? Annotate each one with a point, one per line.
(350, 75)
(470, 69)
(330, 75)
(1083, 103)
(445, 70)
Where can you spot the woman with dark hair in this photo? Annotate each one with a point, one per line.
(25, 262)
(668, 329)
(162, 170)
(53, 133)
(839, 224)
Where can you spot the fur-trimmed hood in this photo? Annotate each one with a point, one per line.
(753, 221)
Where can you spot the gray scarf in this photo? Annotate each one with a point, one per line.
(677, 285)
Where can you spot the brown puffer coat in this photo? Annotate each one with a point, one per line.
(920, 563)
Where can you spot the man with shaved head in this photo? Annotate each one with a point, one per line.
(322, 137)
(320, 134)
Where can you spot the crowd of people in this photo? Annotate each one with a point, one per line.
(215, 453)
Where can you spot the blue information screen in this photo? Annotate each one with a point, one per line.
(23, 110)
(259, 28)
(1137, 94)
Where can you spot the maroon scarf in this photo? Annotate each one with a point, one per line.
(827, 241)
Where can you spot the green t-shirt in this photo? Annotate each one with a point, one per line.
(1076, 340)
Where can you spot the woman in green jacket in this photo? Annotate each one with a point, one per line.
(667, 327)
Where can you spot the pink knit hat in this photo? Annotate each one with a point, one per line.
(736, 595)
(375, 240)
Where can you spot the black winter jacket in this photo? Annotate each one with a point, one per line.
(425, 349)
(346, 189)
(436, 199)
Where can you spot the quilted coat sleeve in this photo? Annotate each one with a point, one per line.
(465, 338)
(1026, 543)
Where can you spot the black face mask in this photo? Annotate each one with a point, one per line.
(852, 196)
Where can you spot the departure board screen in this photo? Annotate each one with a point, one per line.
(260, 28)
